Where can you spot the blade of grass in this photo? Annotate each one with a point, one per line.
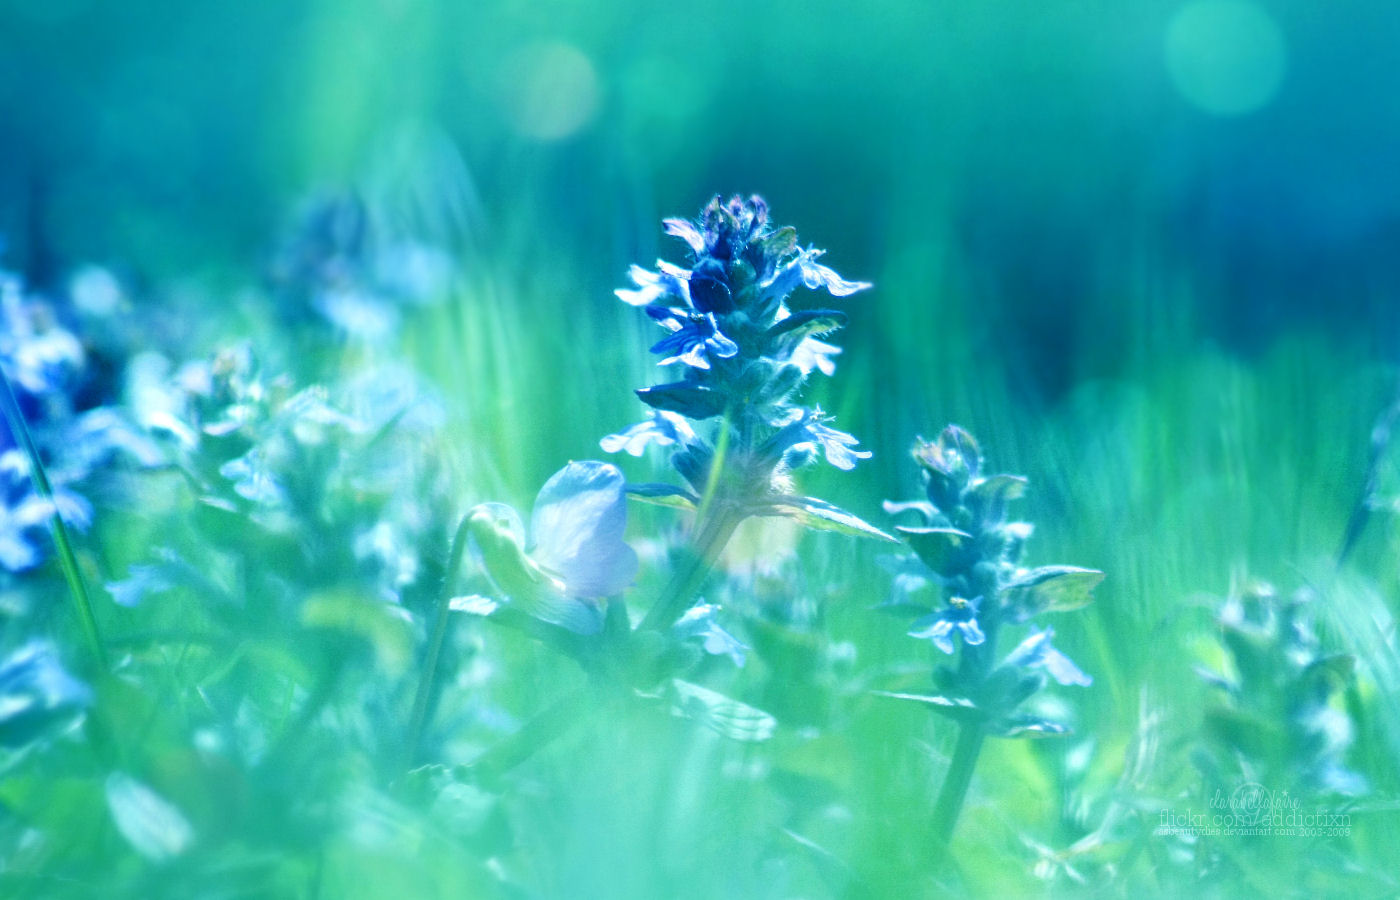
(68, 561)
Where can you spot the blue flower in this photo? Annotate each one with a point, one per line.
(804, 270)
(812, 354)
(24, 513)
(959, 615)
(806, 430)
(693, 338)
(1036, 652)
(668, 281)
(575, 553)
(39, 355)
(700, 621)
(662, 428)
(35, 692)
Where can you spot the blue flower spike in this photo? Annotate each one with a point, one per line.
(966, 547)
(744, 357)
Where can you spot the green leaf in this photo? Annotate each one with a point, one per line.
(693, 401)
(999, 489)
(722, 715)
(822, 516)
(1053, 588)
(1334, 671)
(942, 549)
(780, 243)
(960, 709)
(941, 700)
(663, 495)
(808, 322)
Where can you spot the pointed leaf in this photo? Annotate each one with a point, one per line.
(822, 516)
(939, 700)
(808, 323)
(992, 494)
(1053, 589)
(944, 550)
(959, 709)
(691, 400)
(663, 495)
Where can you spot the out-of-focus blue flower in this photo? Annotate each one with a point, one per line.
(701, 621)
(1036, 652)
(343, 261)
(24, 514)
(36, 692)
(958, 616)
(806, 429)
(574, 553)
(663, 429)
(38, 354)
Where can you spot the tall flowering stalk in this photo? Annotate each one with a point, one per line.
(745, 356)
(968, 556)
(1278, 719)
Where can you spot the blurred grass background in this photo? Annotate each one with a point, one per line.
(1143, 251)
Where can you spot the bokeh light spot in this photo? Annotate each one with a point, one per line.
(1226, 57)
(550, 91)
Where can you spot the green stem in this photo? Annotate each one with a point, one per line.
(710, 539)
(67, 560)
(956, 782)
(419, 718)
(534, 735)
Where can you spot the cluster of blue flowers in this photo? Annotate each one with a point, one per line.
(746, 355)
(61, 406)
(968, 555)
(342, 263)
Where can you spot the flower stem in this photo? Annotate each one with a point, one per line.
(710, 539)
(67, 560)
(428, 680)
(534, 735)
(956, 782)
